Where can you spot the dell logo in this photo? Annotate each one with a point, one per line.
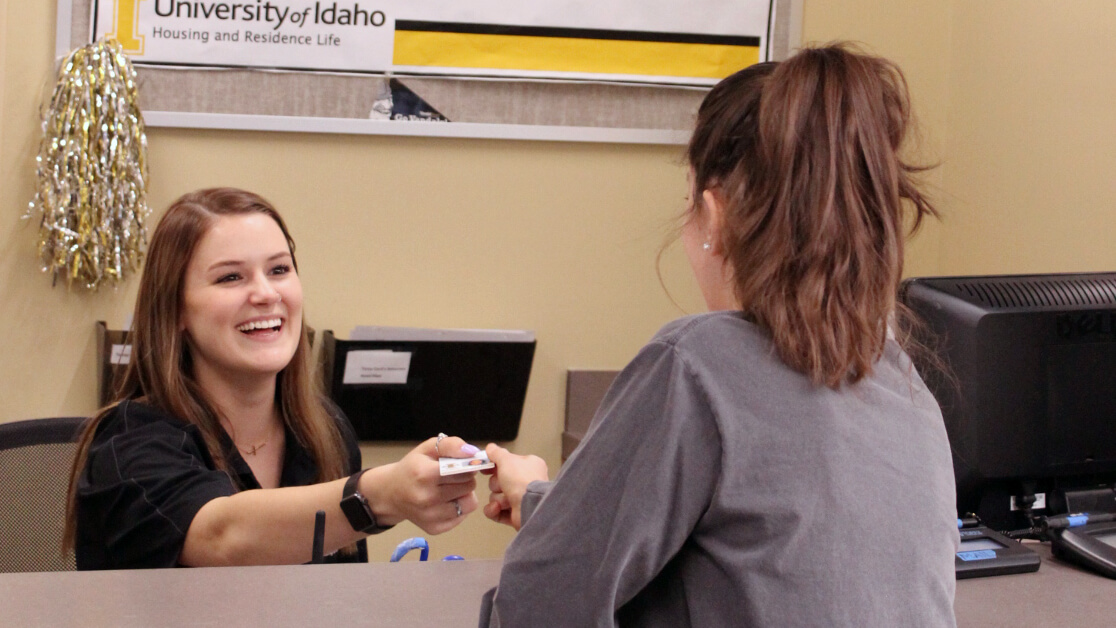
(1085, 325)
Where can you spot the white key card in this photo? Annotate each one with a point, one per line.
(453, 466)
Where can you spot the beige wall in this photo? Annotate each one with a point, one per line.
(1032, 138)
(3, 63)
(561, 237)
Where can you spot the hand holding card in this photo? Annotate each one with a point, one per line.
(508, 484)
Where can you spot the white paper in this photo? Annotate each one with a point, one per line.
(377, 367)
(121, 354)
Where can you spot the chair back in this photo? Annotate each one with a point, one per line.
(35, 461)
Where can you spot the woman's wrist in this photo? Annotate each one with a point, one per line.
(376, 486)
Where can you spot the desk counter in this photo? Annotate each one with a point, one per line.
(435, 594)
(1058, 594)
(405, 594)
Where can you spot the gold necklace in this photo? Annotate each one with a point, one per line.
(255, 448)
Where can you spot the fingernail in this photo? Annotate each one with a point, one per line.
(468, 449)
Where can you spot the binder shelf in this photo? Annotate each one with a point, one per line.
(408, 384)
(114, 351)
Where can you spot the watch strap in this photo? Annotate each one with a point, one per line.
(356, 507)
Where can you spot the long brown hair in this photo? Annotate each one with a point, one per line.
(805, 156)
(161, 371)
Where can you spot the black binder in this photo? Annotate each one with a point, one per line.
(465, 383)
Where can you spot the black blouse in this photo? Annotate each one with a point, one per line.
(149, 473)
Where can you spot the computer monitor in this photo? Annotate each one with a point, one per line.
(1029, 389)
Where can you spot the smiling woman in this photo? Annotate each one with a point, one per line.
(220, 449)
(242, 302)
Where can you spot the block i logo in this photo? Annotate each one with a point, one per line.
(125, 22)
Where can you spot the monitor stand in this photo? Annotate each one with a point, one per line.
(1086, 536)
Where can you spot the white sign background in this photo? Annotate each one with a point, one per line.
(357, 36)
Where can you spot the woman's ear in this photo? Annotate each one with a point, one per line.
(713, 204)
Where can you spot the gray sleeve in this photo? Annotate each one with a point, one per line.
(622, 506)
(536, 491)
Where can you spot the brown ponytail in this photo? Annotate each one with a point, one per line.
(805, 157)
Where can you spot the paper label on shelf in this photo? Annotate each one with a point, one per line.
(121, 354)
(377, 367)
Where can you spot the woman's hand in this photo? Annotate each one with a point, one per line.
(413, 489)
(508, 483)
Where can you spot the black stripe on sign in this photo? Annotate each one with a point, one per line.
(575, 33)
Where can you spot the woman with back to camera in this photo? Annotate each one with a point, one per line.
(777, 461)
(220, 398)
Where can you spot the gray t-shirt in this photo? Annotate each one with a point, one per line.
(718, 487)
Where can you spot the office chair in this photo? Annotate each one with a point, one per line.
(35, 459)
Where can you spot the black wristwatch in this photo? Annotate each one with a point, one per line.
(356, 508)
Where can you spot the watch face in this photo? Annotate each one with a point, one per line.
(357, 512)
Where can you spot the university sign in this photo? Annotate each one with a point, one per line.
(659, 41)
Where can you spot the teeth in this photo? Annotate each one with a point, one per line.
(268, 324)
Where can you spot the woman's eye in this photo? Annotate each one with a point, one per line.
(227, 278)
(281, 269)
